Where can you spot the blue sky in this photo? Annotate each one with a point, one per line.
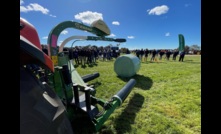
(152, 24)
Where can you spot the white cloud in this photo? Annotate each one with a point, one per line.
(167, 34)
(88, 17)
(130, 37)
(116, 23)
(64, 32)
(112, 35)
(158, 10)
(52, 15)
(34, 7)
(21, 2)
(46, 37)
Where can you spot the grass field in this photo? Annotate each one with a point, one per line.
(166, 98)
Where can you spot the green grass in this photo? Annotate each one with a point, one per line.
(166, 98)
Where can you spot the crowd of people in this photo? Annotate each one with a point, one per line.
(155, 55)
(83, 55)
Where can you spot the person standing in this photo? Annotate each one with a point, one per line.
(182, 55)
(154, 52)
(141, 54)
(175, 53)
(146, 52)
(168, 53)
(161, 54)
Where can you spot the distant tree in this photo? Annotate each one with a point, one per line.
(195, 47)
(123, 50)
(187, 48)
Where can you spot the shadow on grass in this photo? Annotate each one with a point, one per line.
(95, 84)
(124, 121)
(142, 82)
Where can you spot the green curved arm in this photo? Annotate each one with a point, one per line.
(55, 32)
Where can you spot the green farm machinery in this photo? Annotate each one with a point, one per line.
(85, 112)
